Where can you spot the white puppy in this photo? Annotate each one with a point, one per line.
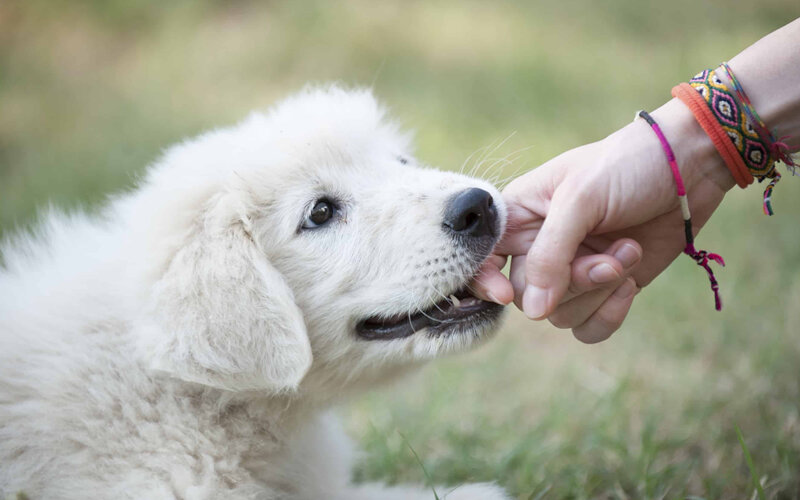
(187, 342)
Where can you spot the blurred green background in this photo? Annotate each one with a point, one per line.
(92, 91)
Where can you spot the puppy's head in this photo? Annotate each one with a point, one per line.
(308, 245)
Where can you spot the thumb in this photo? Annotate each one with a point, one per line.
(548, 264)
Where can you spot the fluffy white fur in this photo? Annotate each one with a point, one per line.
(188, 341)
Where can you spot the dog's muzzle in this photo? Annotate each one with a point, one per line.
(470, 217)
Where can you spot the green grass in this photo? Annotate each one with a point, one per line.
(91, 91)
(750, 465)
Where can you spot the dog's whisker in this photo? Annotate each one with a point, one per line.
(487, 152)
(437, 291)
(467, 160)
(377, 74)
(440, 321)
(487, 156)
(418, 309)
(506, 160)
(502, 182)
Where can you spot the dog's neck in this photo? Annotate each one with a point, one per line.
(324, 386)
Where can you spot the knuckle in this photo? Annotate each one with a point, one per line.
(574, 288)
(561, 320)
(608, 322)
(598, 328)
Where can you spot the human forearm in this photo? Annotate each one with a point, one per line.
(769, 71)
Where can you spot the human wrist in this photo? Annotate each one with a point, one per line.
(636, 159)
(697, 158)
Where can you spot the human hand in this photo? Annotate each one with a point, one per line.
(599, 295)
(575, 211)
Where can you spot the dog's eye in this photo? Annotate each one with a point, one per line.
(320, 214)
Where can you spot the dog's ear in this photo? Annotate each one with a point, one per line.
(224, 317)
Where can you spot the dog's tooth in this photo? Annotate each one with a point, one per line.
(455, 301)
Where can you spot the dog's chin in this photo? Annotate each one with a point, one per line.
(459, 314)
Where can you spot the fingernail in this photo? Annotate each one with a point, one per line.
(627, 255)
(490, 296)
(534, 302)
(625, 290)
(603, 273)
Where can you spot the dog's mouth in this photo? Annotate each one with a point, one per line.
(459, 309)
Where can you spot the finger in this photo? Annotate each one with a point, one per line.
(628, 252)
(516, 275)
(609, 316)
(490, 284)
(522, 226)
(592, 272)
(593, 283)
(527, 199)
(550, 257)
(578, 310)
(581, 282)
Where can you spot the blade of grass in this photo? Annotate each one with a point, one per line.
(750, 465)
(541, 493)
(421, 465)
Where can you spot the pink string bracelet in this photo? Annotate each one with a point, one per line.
(701, 257)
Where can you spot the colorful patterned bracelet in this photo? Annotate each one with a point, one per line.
(701, 257)
(779, 151)
(705, 117)
(740, 136)
(729, 112)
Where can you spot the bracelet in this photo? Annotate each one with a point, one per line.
(778, 150)
(697, 104)
(742, 139)
(729, 113)
(701, 257)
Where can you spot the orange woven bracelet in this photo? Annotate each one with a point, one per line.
(727, 150)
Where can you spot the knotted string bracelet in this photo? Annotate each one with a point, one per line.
(701, 257)
(739, 134)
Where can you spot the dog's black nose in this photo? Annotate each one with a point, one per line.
(471, 213)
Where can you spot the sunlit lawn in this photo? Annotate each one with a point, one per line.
(90, 92)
